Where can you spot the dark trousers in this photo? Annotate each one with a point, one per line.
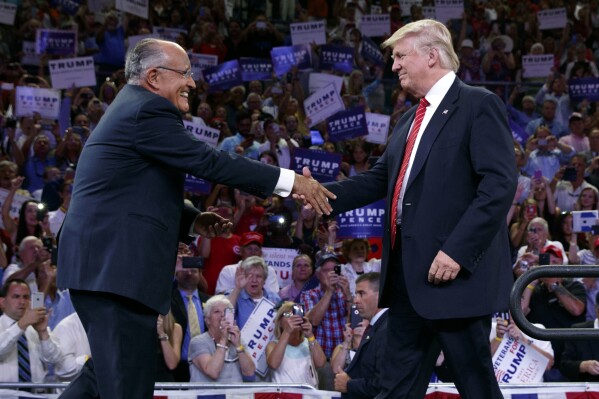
(122, 339)
(414, 344)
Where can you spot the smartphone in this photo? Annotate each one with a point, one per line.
(538, 175)
(354, 317)
(42, 211)
(544, 259)
(37, 300)
(48, 243)
(542, 142)
(11, 123)
(337, 270)
(192, 262)
(298, 310)
(77, 129)
(261, 25)
(531, 211)
(230, 315)
(569, 174)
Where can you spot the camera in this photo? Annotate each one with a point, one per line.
(569, 174)
(42, 211)
(48, 243)
(337, 270)
(544, 259)
(78, 129)
(297, 310)
(192, 262)
(11, 123)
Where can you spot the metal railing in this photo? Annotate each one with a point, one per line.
(550, 271)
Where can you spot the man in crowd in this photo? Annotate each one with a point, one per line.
(243, 139)
(577, 138)
(31, 257)
(568, 183)
(548, 119)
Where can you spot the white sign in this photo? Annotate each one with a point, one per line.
(170, 34)
(29, 55)
(308, 33)
(135, 7)
(375, 25)
(518, 363)
(323, 103)
(537, 66)
(199, 62)
(429, 12)
(405, 5)
(281, 259)
(46, 102)
(68, 72)
(583, 221)
(378, 128)
(133, 40)
(7, 13)
(203, 132)
(554, 18)
(257, 333)
(317, 81)
(448, 9)
(17, 202)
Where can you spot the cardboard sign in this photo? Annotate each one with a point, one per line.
(286, 57)
(257, 333)
(347, 124)
(56, 42)
(583, 221)
(68, 72)
(378, 128)
(322, 104)
(280, 259)
(537, 66)
(375, 25)
(554, 18)
(584, 88)
(200, 62)
(515, 362)
(363, 222)
(255, 69)
(308, 32)
(317, 81)
(223, 76)
(8, 12)
(337, 58)
(46, 102)
(323, 165)
(203, 132)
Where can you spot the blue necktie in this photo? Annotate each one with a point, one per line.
(24, 365)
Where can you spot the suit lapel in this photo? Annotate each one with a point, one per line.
(440, 117)
(401, 132)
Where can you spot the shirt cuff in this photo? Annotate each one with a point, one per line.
(285, 182)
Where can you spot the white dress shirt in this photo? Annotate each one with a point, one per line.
(226, 279)
(74, 346)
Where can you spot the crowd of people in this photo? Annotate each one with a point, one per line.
(315, 340)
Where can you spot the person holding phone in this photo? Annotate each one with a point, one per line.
(568, 183)
(537, 238)
(545, 153)
(294, 354)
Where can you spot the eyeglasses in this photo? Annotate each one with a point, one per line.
(535, 230)
(185, 74)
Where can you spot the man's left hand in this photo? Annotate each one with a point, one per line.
(443, 269)
(341, 380)
(210, 225)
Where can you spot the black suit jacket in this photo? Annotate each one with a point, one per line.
(120, 235)
(457, 197)
(367, 364)
(575, 352)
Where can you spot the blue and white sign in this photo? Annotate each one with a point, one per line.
(8, 12)
(308, 32)
(255, 69)
(347, 124)
(323, 165)
(554, 18)
(584, 88)
(323, 104)
(337, 58)
(537, 66)
(223, 76)
(378, 128)
(280, 259)
(199, 62)
(56, 42)
(197, 185)
(583, 221)
(68, 72)
(257, 332)
(285, 58)
(371, 52)
(375, 25)
(363, 222)
(29, 100)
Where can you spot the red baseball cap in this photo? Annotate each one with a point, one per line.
(251, 237)
(553, 250)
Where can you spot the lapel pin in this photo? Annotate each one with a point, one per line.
(445, 111)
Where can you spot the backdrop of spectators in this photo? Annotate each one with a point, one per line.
(547, 119)
(545, 153)
(576, 138)
(568, 187)
(470, 62)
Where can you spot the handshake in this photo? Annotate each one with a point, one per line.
(312, 193)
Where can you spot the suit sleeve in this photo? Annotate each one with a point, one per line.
(371, 386)
(188, 218)
(570, 362)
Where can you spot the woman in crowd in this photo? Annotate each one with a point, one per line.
(294, 354)
(306, 226)
(344, 353)
(356, 250)
(587, 200)
(170, 335)
(301, 271)
(27, 224)
(69, 149)
(537, 238)
(359, 152)
(218, 355)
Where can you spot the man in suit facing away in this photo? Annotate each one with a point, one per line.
(118, 243)
(361, 379)
(449, 175)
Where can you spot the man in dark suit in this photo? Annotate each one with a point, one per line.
(119, 240)
(361, 379)
(446, 262)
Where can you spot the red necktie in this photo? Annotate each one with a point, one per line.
(407, 153)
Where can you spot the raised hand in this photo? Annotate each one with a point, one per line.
(210, 225)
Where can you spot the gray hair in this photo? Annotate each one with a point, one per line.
(213, 301)
(146, 54)
(542, 222)
(428, 34)
(254, 261)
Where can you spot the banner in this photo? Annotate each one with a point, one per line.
(257, 333)
(197, 185)
(405, 5)
(203, 132)
(15, 207)
(583, 88)
(170, 34)
(29, 56)
(199, 62)
(375, 25)
(308, 32)
(337, 58)
(322, 104)
(323, 165)
(285, 58)
(448, 9)
(317, 81)
(518, 363)
(372, 52)
(347, 124)
(132, 40)
(46, 102)
(68, 72)
(281, 259)
(56, 42)
(8, 12)
(378, 128)
(135, 7)
(223, 76)
(429, 12)
(69, 7)
(363, 222)
(537, 66)
(255, 69)
(554, 18)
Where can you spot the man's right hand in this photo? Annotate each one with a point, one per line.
(589, 366)
(306, 188)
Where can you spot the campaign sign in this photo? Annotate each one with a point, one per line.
(448, 9)
(371, 51)
(197, 185)
(257, 332)
(317, 81)
(135, 7)
(378, 128)
(583, 88)
(199, 62)
(337, 58)
(518, 133)
(583, 221)
(537, 66)
(322, 104)
(15, 207)
(56, 42)
(308, 32)
(363, 222)
(255, 69)
(69, 72)
(223, 76)
(323, 165)
(375, 25)
(67, 6)
(429, 12)
(29, 56)
(280, 259)
(132, 40)
(347, 124)
(98, 6)
(46, 102)
(554, 18)
(170, 34)
(8, 12)
(405, 5)
(203, 133)
(286, 57)
(515, 362)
